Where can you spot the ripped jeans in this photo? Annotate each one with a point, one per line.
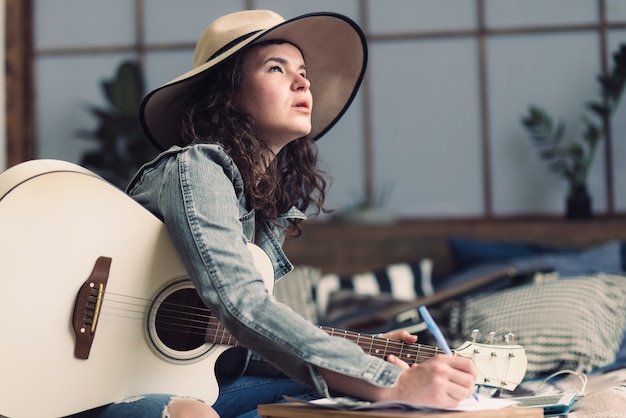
(144, 406)
(238, 398)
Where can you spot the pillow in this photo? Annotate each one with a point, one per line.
(468, 252)
(620, 357)
(294, 290)
(607, 258)
(573, 323)
(402, 281)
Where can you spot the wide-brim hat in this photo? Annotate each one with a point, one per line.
(334, 51)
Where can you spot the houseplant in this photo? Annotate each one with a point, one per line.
(121, 144)
(369, 211)
(572, 159)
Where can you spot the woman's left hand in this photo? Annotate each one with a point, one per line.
(403, 336)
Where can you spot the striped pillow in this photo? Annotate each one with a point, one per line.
(402, 281)
(569, 323)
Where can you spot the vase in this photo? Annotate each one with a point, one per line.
(578, 203)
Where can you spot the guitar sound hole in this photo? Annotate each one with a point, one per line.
(181, 320)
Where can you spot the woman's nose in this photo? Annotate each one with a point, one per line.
(302, 83)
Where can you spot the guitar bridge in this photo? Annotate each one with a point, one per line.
(87, 307)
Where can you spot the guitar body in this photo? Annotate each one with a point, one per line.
(56, 220)
(96, 306)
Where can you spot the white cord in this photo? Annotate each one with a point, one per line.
(581, 376)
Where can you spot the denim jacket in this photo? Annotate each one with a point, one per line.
(199, 193)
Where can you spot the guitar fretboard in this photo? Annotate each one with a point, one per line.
(373, 345)
(383, 347)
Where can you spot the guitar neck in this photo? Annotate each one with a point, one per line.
(498, 366)
(373, 345)
(383, 347)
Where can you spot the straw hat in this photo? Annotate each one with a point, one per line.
(334, 50)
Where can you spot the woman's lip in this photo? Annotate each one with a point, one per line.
(303, 106)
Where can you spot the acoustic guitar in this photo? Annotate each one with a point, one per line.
(96, 306)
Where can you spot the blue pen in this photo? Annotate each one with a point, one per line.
(434, 329)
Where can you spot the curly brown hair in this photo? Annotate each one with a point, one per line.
(291, 179)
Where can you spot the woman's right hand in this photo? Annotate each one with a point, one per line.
(441, 381)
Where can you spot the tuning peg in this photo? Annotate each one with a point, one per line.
(490, 337)
(475, 335)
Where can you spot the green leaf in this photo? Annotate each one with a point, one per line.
(602, 110)
(127, 89)
(572, 159)
(122, 145)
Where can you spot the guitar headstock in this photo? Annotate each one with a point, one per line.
(499, 366)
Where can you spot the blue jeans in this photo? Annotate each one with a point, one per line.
(238, 398)
(144, 406)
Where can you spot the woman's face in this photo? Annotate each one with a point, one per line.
(275, 92)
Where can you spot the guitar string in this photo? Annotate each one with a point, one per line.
(199, 321)
(213, 332)
(218, 333)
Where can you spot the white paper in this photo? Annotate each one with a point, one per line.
(484, 403)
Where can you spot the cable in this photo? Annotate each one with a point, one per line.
(581, 376)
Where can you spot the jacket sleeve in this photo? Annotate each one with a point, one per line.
(197, 200)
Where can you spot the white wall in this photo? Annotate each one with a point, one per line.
(426, 123)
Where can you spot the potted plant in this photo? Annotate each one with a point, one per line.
(572, 159)
(367, 211)
(122, 146)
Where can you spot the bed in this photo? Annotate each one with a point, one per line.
(566, 305)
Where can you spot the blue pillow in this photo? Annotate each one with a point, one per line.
(620, 357)
(607, 258)
(468, 252)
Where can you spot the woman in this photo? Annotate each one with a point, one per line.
(238, 137)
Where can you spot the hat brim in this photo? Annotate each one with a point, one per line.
(334, 50)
